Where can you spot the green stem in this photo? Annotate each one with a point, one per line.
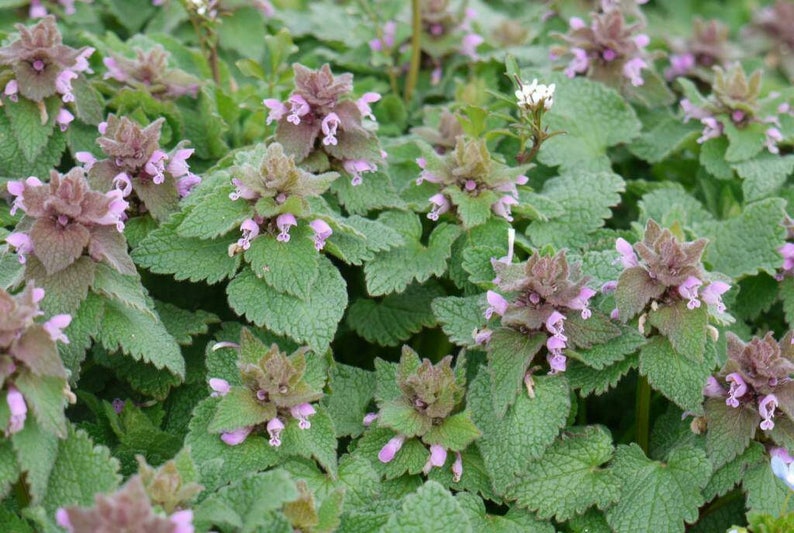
(416, 50)
(643, 413)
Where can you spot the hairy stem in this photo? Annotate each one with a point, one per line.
(416, 50)
(643, 413)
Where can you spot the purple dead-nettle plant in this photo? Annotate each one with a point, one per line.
(446, 32)
(609, 49)
(29, 360)
(537, 298)
(152, 179)
(65, 219)
(429, 408)
(695, 57)
(42, 66)
(775, 24)
(323, 127)
(149, 71)
(468, 178)
(167, 487)
(755, 384)
(270, 393)
(735, 103)
(129, 509)
(277, 191)
(444, 136)
(38, 8)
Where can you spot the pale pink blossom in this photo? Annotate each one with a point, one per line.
(220, 387)
(55, 326)
(387, 453)
(238, 436)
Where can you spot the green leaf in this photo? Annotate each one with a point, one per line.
(12, 159)
(656, 496)
(239, 408)
(80, 332)
(182, 324)
(729, 430)
(477, 262)
(214, 215)
(677, 377)
(598, 381)
(472, 210)
(88, 103)
(787, 295)
(37, 452)
(237, 31)
(746, 244)
(396, 317)
(685, 328)
(669, 204)
(205, 127)
(459, 317)
(164, 252)
(569, 477)
(666, 136)
(9, 469)
(515, 521)
(455, 433)
(592, 331)
(509, 444)
(130, 16)
(362, 243)
(25, 120)
(765, 492)
(510, 354)
(65, 290)
(410, 459)
(128, 290)
(376, 191)
(403, 419)
(289, 267)
(745, 142)
(586, 198)
(712, 158)
(727, 476)
(312, 321)
(45, 396)
(395, 269)
(764, 175)
(318, 441)
(431, 504)
(141, 335)
(607, 353)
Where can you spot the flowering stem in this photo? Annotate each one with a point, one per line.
(416, 50)
(643, 413)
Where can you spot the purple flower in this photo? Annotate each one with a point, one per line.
(63, 84)
(55, 325)
(177, 165)
(692, 111)
(298, 107)
(576, 23)
(63, 118)
(114, 71)
(242, 191)
(468, 46)
(712, 130)
(787, 251)
(123, 183)
(555, 325)
(355, 167)
(277, 109)
(302, 413)
(369, 418)
(187, 183)
(329, 126)
(115, 214)
(440, 206)
(766, 407)
(250, 230)
(183, 521)
(321, 232)
(580, 62)
(86, 158)
(363, 104)
(12, 90)
(118, 405)
(632, 69)
(284, 222)
(387, 453)
(274, 428)
(737, 390)
(62, 519)
(220, 387)
(437, 458)
(783, 470)
(712, 294)
(155, 166)
(557, 362)
(496, 304)
(23, 244)
(713, 389)
(457, 468)
(626, 251)
(680, 65)
(238, 436)
(425, 174)
(482, 336)
(689, 290)
(609, 55)
(18, 408)
(37, 10)
(609, 287)
(502, 207)
(582, 302)
(773, 136)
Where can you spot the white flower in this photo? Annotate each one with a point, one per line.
(531, 96)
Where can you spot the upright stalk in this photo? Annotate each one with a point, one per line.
(643, 413)
(416, 50)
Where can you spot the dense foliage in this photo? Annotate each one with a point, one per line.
(395, 266)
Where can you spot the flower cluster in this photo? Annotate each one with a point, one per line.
(662, 270)
(776, 24)
(757, 377)
(129, 509)
(136, 163)
(707, 48)
(166, 486)
(535, 96)
(430, 396)
(277, 190)
(64, 218)
(735, 103)
(149, 71)
(447, 31)
(272, 387)
(43, 66)
(608, 50)
(469, 174)
(546, 290)
(39, 10)
(27, 352)
(322, 128)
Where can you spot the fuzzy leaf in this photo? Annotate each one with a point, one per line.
(666, 136)
(515, 521)
(656, 496)
(597, 381)
(727, 476)
(787, 295)
(25, 120)
(431, 504)
(403, 419)
(312, 321)
(764, 175)
(459, 317)
(712, 158)
(765, 492)
(569, 477)
(214, 215)
(607, 353)
(288, 267)
(454, 433)
(37, 452)
(371, 237)
(410, 459)
(635, 289)
(743, 143)
(317, 442)
(685, 328)
(510, 354)
(182, 324)
(352, 389)
(83, 328)
(44, 395)
(586, 198)
(729, 430)
(376, 191)
(126, 289)
(669, 204)
(9, 469)
(239, 408)
(587, 332)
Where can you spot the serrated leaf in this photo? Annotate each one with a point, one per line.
(586, 198)
(665, 137)
(591, 381)
(9, 469)
(669, 204)
(656, 496)
(607, 353)
(45, 396)
(509, 444)
(726, 477)
(140, 335)
(743, 245)
(595, 330)
(317, 442)
(182, 324)
(36, 451)
(477, 262)
(66, 289)
(126, 289)
(80, 332)
(410, 459)
(289, 267)
(472, 210)
(475, 478)
(312, 321)
(680, 379)
(370, 237)
(685, 328)
(239, 408)
(610, 121)
(431, 504)
(376, 191)
(745, 142)
(712, 158)
(214, 215)
(515, 521)
(460, 317)
(764, 175)
(729, 430)
(403, 419)
(455, 433)
(787, 295)
(396, 317)
(25, 120)
(765, 492)
(569, 477)
(510, 353)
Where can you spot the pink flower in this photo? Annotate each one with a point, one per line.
(155, 166)
(250, 230)
(86, 158)
(55, 326)
(302, 413)
(355, 167)
(680, 65)
(457, 468)
(177, 165)
(576, 23)
(115, 214)
(437, 458)
(642, 40)
(555, 325)
(242, 191)
(187, 183)
(329, 126)
(692, 111)
(81, 61)
(712, 130)
(277, 109)
(737, 390)
(632, 69)
(713, 389)
(787, 251)
(557, 363)
(321, 232)
(440, 206)
(425, 174)
(298, 107)
(387, 453)
(766, 408)
(689, 290)
(220, 387)
(609, 55)
(369, 418)
(12, 90)
(102, 127)
(468, 46)
(284, 222)
(773, 136)
(502, 207)
(274, 428)
(63, 84)
(496, 304)
(123, 183)
(482, 336)
(582, 302)
(363, 104)
(23, 244)
(579, 64)
(712, 294)
(626, 251)
(63, 118)
(238, 436)
(555, 344)
(18, 408)
(183, 521)
(62, 519)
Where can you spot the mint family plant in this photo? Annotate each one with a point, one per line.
(396, 266)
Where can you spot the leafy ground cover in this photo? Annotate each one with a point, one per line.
(396, 266)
